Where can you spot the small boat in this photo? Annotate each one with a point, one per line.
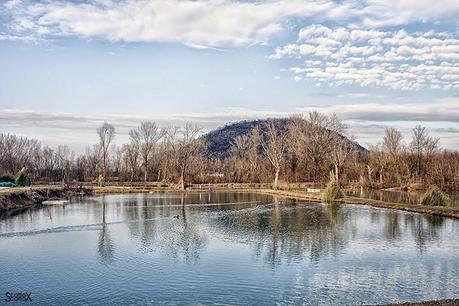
(313, 190)
(55, 202)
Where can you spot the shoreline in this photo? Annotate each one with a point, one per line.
(450, 212)
(16, 199)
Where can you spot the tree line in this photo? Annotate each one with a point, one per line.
(299, 149)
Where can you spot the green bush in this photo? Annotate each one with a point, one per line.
(6, 178)
(332, 193)
(435, 197)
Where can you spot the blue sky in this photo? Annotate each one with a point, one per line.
(67, 66)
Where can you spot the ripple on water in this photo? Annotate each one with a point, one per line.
(233, 249)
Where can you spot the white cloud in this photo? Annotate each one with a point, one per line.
(381, 13)
(442, 110)
(361, 118)
(211, 23)
(396, 60)
(214, 23)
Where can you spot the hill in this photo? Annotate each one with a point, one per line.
(219, 141)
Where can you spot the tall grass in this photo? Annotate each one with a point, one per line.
(332, 193)
(435, 197)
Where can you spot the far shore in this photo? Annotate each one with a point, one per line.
(14, 199)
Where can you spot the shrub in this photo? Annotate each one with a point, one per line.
(332, 193)
(435, 197)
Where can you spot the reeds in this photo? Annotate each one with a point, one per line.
(332, 193)
(435, 197)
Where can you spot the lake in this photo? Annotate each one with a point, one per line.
(225, 248)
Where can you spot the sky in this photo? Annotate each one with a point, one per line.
(68, 66)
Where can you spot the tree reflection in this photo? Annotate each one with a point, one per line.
(283, 230)
(392, 226)
(105, 247)
(423, 229)
(163, 226)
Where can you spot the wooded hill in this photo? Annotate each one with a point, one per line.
(220, 140)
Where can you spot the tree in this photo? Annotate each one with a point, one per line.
(320, 138)
(244, 157)
(18, 152)
(342, 150)
(63, 156)
(393, 147)
(392, 142)
(377, 161)
(273, 141)
(49, 162)
(422, 146)
(145, 138)
(168, 151)
(184, 147)
(130, 157)
(106, 134)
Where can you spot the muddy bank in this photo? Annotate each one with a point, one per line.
(16, 199)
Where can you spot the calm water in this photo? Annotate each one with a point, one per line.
(228, 248)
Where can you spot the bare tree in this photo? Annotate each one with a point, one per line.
(341, 152)
(168, 150)
(63, 154)
(17, 152)
(422, 145)
(273, 141)
(244, 157)
(145, 138)
(378, 161)
(91, 161)
(185, 147)
(392, 142)
(130, 157)
(106, 134)
(319, 136)
(49, 162)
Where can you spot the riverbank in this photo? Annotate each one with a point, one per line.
(16, 199)
(20, 198)
(451, 212)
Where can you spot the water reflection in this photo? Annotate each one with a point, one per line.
(278, 230)
(289, 231)
(230, 248)
(105, 246)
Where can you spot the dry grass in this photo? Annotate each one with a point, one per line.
(435, 197)
(332, 193)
